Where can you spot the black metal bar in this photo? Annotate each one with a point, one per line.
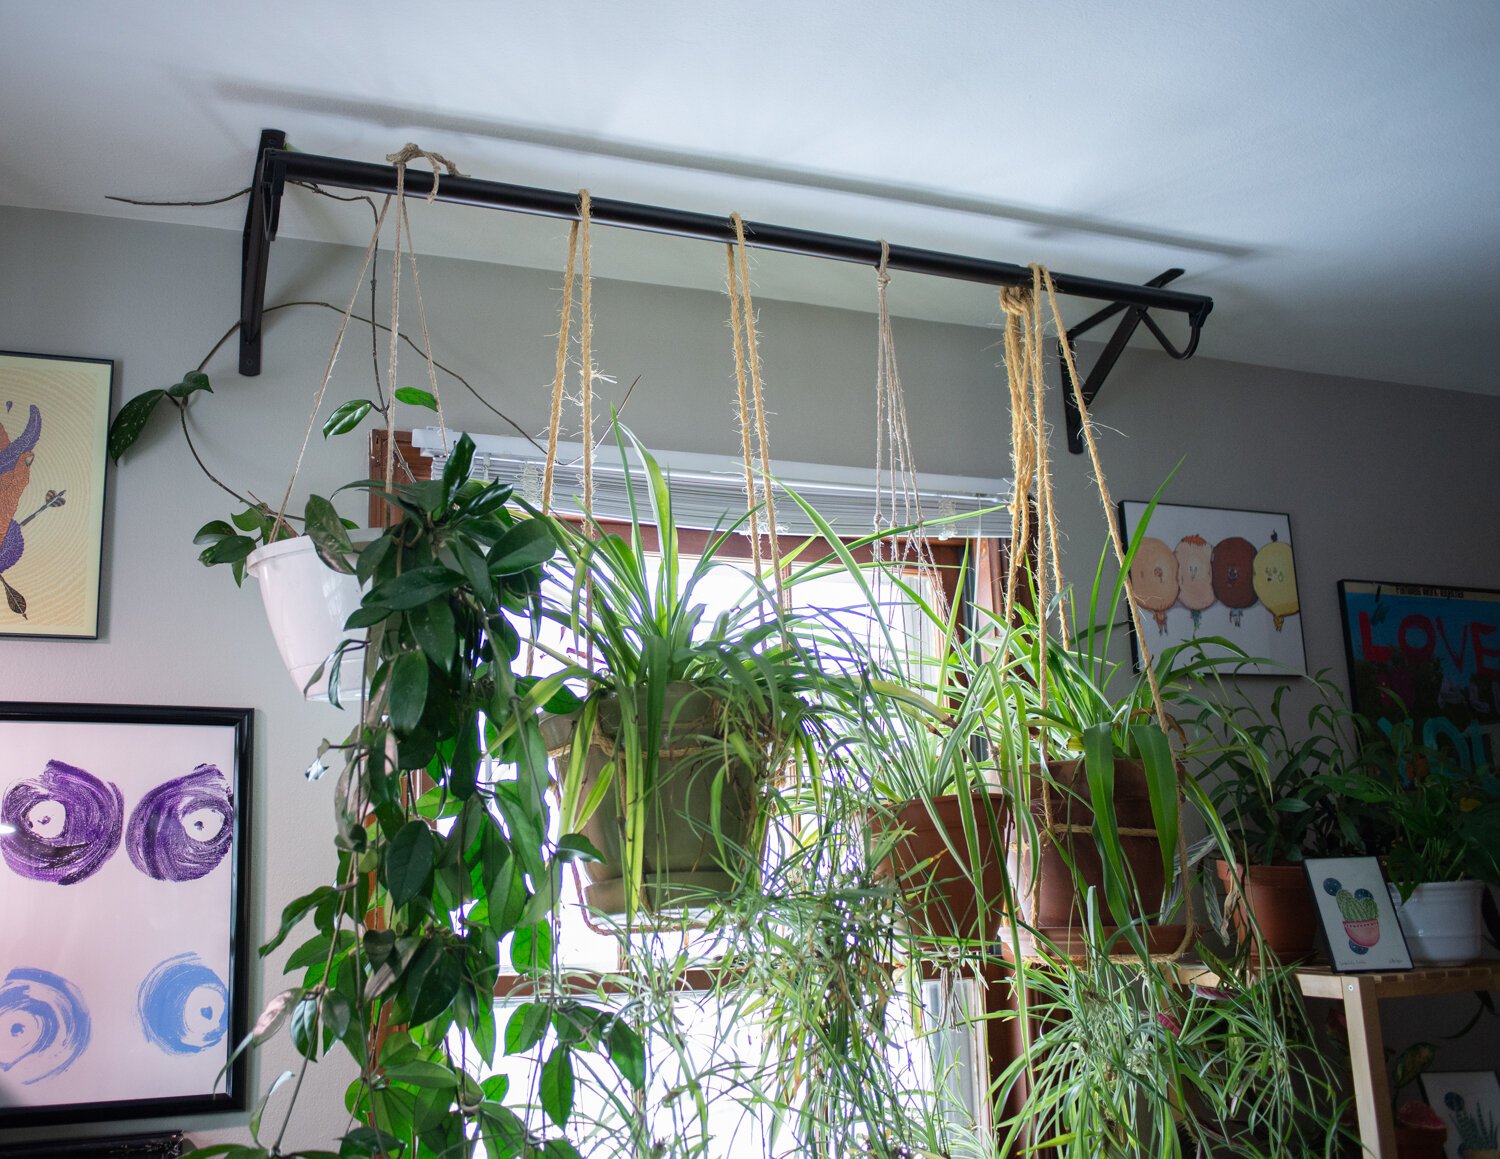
(275, 165)
(261, 219)
(1134, 316)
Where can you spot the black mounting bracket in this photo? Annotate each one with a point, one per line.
(1134, 316)
(261, 220)
(275, 165)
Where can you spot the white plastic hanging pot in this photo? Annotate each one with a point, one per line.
(306, 604)
(1442, 922)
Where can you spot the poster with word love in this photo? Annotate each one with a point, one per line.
(1432, 652)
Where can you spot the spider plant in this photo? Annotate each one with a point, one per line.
(1128, 1060)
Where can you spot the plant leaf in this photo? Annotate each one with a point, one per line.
(416, 586)
(414, 396)
(192, 381)
(275, 1013)
(527, 1024)
(346, 417)
(329, 537)
(628, 1053)
(408, 691)
(557, 1085)
(230, 549)
(531, 948)
(131, 420)
(577, 847)
(409, 862)
(421, 1073)
(526, 545)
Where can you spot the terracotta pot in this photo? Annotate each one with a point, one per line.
(941, 900)
(693, 853)
(1282, 905)
(1059, 909)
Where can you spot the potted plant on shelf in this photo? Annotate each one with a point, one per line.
(1438, 827)
(1128, 1058)
(1278, 801)
(444, 847)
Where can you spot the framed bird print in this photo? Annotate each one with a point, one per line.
(54, 417)
(1219, 577)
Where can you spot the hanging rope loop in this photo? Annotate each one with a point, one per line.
(1024, 341)
(752, 410)
(410, 152)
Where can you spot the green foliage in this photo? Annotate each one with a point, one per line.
(1433, 820)
(1128, 1061)
(1276, 791)
(404, 945)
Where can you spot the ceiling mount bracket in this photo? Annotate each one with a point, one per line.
(261, 219)
(275, 165)
(1134, 316)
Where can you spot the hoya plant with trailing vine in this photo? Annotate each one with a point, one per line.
(255, 523)
(445, 856)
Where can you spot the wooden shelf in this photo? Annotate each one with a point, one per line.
(1361, 995)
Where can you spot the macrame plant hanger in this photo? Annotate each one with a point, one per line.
(402, 242)
(900, 521)
(1025, 373)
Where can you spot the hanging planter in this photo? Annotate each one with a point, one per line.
(1442, 921)
(695, 823)
(307, 604)
(1067, 860)
(934, 866)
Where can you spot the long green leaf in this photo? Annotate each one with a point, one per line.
(1099, 765)
(1161, 786)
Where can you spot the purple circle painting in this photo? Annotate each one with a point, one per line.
(183, 828)
(61, 825)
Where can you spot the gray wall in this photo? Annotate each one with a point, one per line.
(1381, 481)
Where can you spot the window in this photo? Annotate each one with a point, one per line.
(707, 1052)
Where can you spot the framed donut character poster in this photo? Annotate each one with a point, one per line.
(54, 419)
(1214, 574)
(124, 846)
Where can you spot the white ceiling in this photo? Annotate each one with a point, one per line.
(1328, 172)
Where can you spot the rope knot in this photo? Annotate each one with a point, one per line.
(411, 152)
(1015, 300)
(882, 271)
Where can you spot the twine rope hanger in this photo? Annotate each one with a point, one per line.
(400, 160)
(751, 411)
(899, 505)
(1025, 373)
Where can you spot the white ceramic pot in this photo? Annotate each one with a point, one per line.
(1441, 921)
(306, 604)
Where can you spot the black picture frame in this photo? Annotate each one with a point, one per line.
(1270, 633)
(125, 858)
(54, 410)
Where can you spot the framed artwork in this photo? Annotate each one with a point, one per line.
(1358, 919)
(1203, 572)
(1468, 1102)
(54, 417)
(124, 868)
(1435, 651)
